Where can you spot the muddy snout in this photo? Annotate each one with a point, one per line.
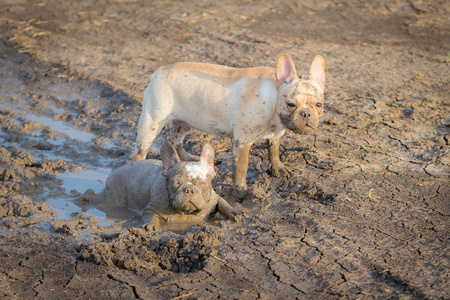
(189, 199)
(302, 121)
(306, 113)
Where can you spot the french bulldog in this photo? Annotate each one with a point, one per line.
(246, 104)
(173, 190)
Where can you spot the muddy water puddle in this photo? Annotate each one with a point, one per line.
(48, 138)
(20, 110)
(75, 183)
(60, 127)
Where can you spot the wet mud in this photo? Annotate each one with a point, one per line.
(138, 249)
(365, 213)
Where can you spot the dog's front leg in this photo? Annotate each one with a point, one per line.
(240, 164)
(277, 168)
(227, 210)
(149, 126)
(148, 129)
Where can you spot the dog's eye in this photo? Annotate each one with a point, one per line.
(291, 104)
(318, 105)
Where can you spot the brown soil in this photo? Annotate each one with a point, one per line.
(365, 215)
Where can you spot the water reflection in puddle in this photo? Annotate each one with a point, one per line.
(60, 127)
(80, 182)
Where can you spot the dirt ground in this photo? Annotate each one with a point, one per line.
(365, 214)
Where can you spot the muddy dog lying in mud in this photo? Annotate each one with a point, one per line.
(246, 104)
(176, 191)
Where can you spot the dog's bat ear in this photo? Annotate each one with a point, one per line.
(285, 72)
(317, 71)
(169, 157)
(207, 158)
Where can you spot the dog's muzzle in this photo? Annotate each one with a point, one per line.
(188, 199)
(300, 121)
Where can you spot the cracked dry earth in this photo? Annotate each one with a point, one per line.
(365, 214)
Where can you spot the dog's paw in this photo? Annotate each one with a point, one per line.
(85, 198)
(138, 157)
(238, 215)
(281, 172)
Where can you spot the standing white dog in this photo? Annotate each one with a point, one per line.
(245, 104)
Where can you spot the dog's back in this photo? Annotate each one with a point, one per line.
(133, 186)
(207, 97)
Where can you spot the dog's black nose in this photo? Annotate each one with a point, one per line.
(305, 114)
(189, 190)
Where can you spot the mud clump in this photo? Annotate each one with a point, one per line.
(20, 172)
(79, 223)
(19, 212)
(138, 250)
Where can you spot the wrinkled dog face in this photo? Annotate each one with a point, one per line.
(188, 183)
(300, 102)
(189, 187)
(301, 106)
